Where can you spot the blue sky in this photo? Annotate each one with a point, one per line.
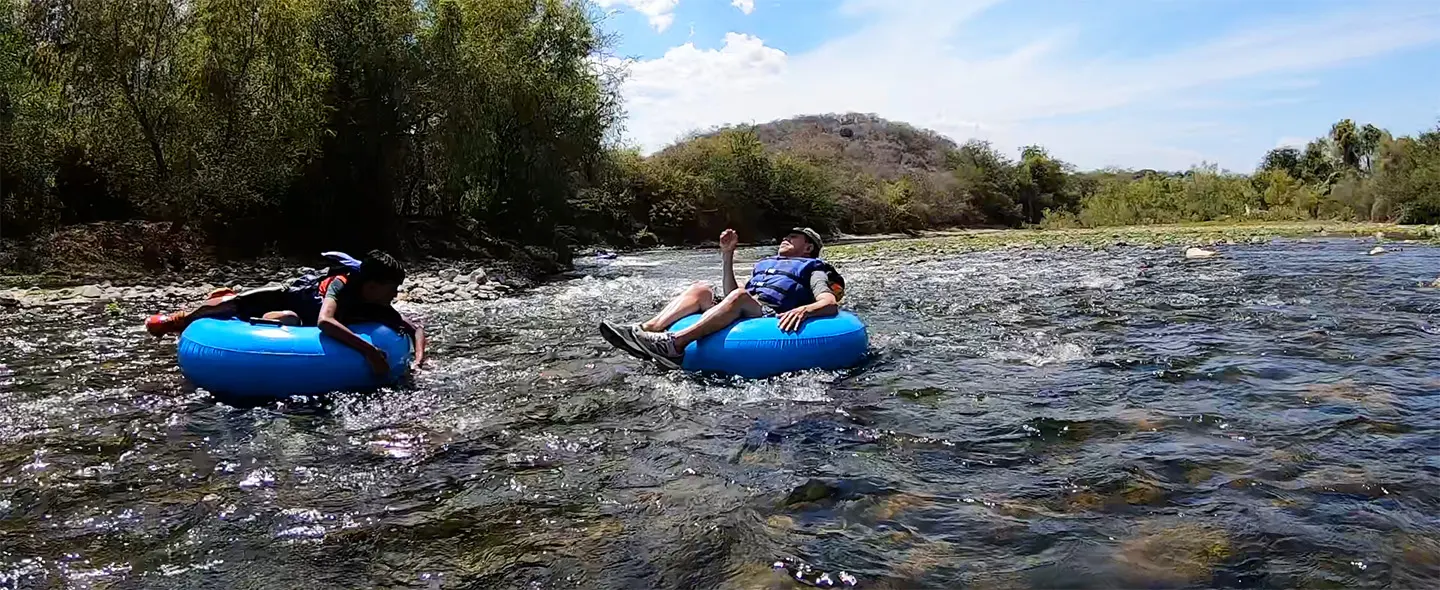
(1130, 83)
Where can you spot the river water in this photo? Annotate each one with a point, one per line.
(1027, 419)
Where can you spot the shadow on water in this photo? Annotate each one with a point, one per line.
(1026, 419)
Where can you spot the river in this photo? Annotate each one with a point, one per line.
(1027, 419)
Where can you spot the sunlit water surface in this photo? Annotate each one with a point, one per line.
(1027, 419)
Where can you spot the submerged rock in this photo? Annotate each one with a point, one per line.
(813, 490)
(1378, 250)
(1193, 252)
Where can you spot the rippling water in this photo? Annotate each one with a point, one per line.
(1028, 419)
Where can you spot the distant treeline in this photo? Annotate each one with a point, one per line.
(1353, 173)
(304, 124)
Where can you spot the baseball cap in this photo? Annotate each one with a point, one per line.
(814, 238)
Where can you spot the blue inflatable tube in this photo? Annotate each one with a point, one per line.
(240, 358)
(756, 347)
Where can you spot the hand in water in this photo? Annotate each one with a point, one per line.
(728, 241)
(379, 363)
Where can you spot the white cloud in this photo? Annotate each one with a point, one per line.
(910, 63)
(745, 6)
(660, 13)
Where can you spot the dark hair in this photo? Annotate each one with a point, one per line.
(380, 267)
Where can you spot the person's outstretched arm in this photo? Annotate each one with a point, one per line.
(419, 333)
(332, 327)
(728, 241)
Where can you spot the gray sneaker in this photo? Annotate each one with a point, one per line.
(622, 338)
(661, 348)
(635, 331)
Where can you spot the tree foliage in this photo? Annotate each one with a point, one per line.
(267, 120)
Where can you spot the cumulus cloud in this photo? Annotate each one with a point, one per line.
(660, 13)
(910, 63)
(745, 6)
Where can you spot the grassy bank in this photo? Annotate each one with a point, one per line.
(1182, 235)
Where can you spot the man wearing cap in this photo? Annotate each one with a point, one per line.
(792, 285)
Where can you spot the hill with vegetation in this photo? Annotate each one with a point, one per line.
(859, 173)
(864, 143)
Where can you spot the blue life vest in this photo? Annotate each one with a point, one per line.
(784, 283)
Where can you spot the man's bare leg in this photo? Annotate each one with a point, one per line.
(738, 304)
(697, 298)
(668, 348)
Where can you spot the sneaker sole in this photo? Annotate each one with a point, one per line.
(665, 361)
(613, 336)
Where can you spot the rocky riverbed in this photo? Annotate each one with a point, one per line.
(447, 284)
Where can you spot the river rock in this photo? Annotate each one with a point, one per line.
(479, 277)
(91, 292)
(419, 294)
(1193, 252)
(9, 301)
(1378, 250)
(461, 279)
(447, 288)
(448, 274)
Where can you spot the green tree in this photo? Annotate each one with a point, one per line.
(1347, 144)
(259, 105)
(1370, 140)
(511, 144)
(1316, 167)
(123, 64)
(1041, 184)
(987, 180)
(1284, 196)
(1283, 158)
(27, 123)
